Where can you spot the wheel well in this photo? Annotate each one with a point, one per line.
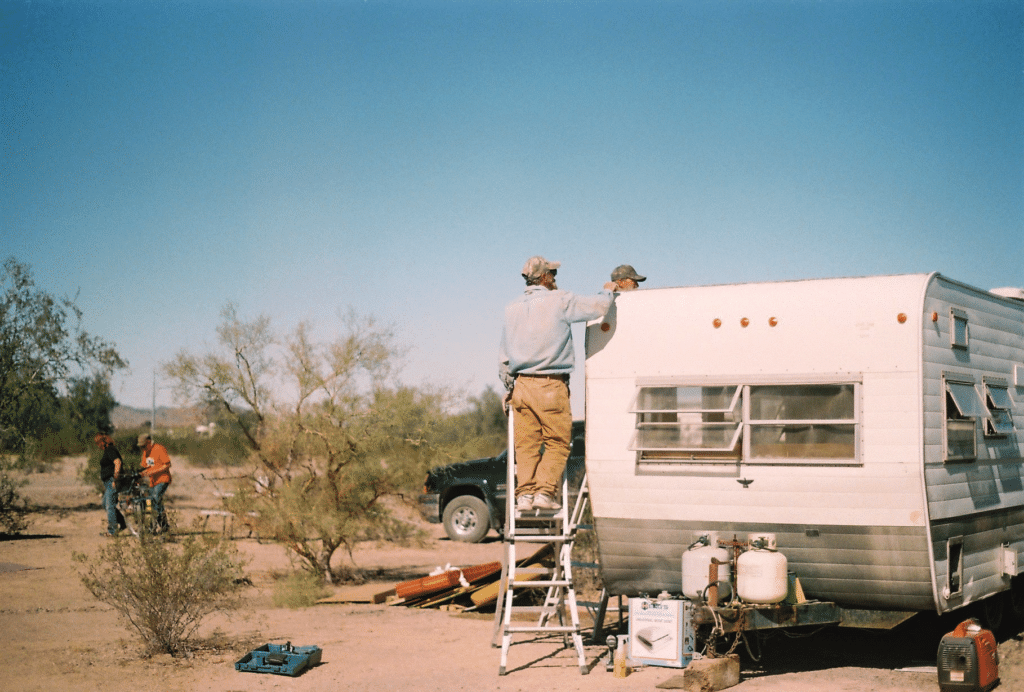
(463, 490)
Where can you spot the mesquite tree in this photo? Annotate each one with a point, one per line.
(339, 444)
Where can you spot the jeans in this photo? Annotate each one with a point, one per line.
(156, 494)
(115, 520)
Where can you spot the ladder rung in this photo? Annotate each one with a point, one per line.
(549, 609)
(533, 570)
(533, 538)
(538, 582)
(558, 628)
(520, 530)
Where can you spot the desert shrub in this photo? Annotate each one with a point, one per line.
(12, 506)
(299, 590)
(220, 449)
(164, 590)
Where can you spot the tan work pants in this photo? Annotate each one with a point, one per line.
(543, 416)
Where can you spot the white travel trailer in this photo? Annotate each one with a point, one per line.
(873, 425)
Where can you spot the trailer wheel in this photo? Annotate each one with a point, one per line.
(1017, 596)
(466, 519)
(993, 609)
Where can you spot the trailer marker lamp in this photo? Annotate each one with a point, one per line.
(717, 323)
(935, 317)
(744, 322)
(901, 318)
(772, 321)
(605, 326)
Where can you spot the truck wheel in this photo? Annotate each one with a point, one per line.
(466, 519)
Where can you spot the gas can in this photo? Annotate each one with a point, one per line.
(968, 660)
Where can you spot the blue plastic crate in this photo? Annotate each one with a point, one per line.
(279, 659)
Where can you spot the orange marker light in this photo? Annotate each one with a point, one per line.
(744, 322)
(605, 326)
(935, 317)
(901, 318)
(772, 321)
(717, 323)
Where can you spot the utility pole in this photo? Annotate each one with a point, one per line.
(152, 419)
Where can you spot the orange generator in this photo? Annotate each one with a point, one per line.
(968, 659)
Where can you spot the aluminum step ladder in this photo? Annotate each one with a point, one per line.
(555, 529)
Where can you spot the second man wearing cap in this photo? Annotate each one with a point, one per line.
(626, 278)
(156, 467)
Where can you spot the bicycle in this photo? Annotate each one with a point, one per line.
(137, 507)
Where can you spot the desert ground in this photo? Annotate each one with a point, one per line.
(56, 636)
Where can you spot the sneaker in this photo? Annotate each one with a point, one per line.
(524, 503)
(542, 501)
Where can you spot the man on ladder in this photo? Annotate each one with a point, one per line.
(536, 358)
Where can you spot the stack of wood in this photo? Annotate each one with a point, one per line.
(466, 588)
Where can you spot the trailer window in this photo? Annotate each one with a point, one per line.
(958, 330)
(963, 409)
(687, 422)
(999, 421)
(802, 422)
(757, 424)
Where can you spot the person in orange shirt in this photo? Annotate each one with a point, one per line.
(156, 466)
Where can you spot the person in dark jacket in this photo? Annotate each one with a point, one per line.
(111, 467)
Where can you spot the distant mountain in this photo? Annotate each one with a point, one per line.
(125, 417)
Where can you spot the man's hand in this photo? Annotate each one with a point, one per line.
(611, 286)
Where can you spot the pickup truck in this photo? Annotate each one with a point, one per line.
(469, 497)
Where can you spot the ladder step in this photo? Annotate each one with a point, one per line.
(533, 570)
(539, 583)
(535, 628)
(537, 539)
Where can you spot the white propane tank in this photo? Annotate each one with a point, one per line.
(761, 572)
(695, 564)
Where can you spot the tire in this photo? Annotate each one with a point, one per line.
(466, 519)
(993, 611)
(1017, 596)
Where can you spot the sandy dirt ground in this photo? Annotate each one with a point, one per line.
(55, 636)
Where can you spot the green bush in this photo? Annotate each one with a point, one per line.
(220, 449)
(12, 505)
(299, 590)
(164, 590)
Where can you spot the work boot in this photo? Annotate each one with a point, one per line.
(524, 503)
(542, 501)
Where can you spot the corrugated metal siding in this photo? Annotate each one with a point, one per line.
(860, 566)
(981, 500)
(872, 549)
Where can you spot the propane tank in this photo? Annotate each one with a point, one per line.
(762, 572)
(695, 564)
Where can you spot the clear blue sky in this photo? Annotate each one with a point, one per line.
(405, 158)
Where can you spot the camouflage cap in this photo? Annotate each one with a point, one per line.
(625, 271)
(537, 266)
